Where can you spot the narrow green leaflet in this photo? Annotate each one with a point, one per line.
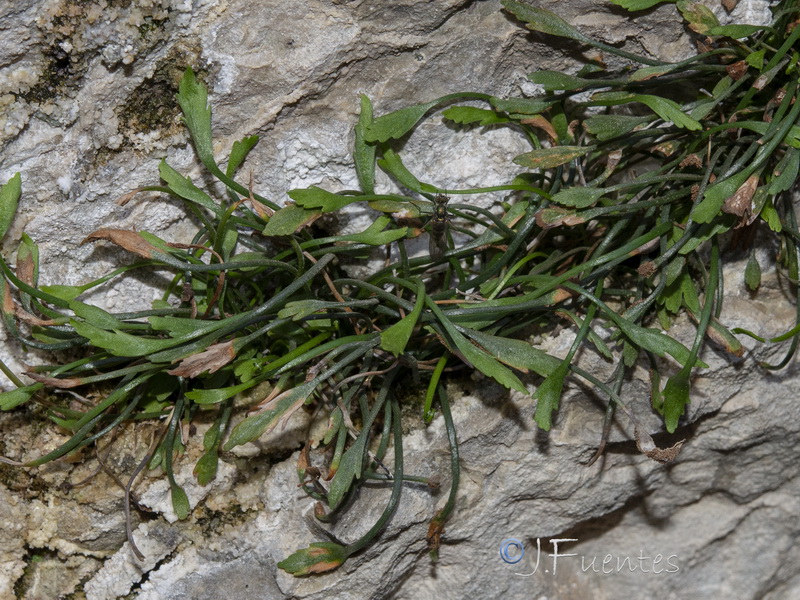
(736, 31)
(64, 292)
(606, 127)
(180, 501)
(554, 80)
(578, 197)
(9, 198)
(374, 235)
(183, 187)
(646, 73)
(396, 124)
(542, 20)
(256, 425)
(364, 153)
(300, 309)
(645, 337)
(95, 315)
(493, 234)
(515, 353)
(28, 258)
(14, 398)
(392, 164)
(239, 151)
(699, 17)
(656, 342)
(205, 469)
(409, 209)
(709, 207)
(522, 106)
(771, 216)
(349, 469)
(756, 59)
(217, 395)
(315, 197)
(667, 109)
(120, 343)
(182, 327)
(633, 5)
(785, 173)
(548, 396)
(548, 158)
(474, 355)
(676, 397)
(193, 100)
(395, 338)
(471, 115)
(290, 219)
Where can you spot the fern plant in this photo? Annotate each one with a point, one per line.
(615, 220)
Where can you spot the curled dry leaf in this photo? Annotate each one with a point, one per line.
(303, 463)
(65, 383)
(8, 301)
(612, 160)
(729, 5)
(645, 248)
(25, 267)
(646, 445)
(541, 123)
(667, 148)
(555, 216)
(130, 240)
(737, 70)
(30, 319)
(740, 203)
(125, 198)
(211, 359)
(561, 294)
(435, 531)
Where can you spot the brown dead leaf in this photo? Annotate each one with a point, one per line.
(65, 383)
(729, 5)
(554, 216)
(704, 45)
(30, 319)
(434, 535)
(560, 294)
(740, 203)
(573, 125)
(25, 267)
(736, 70)
(612, 160)
(130, 240)
(8, 301)
(645, 248)
(211, 359)
(125, 198)
(303, 462)
(541, 123)
(263, 211)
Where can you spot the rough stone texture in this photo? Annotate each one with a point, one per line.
(86, 113)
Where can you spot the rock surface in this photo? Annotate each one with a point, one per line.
(86, 112)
